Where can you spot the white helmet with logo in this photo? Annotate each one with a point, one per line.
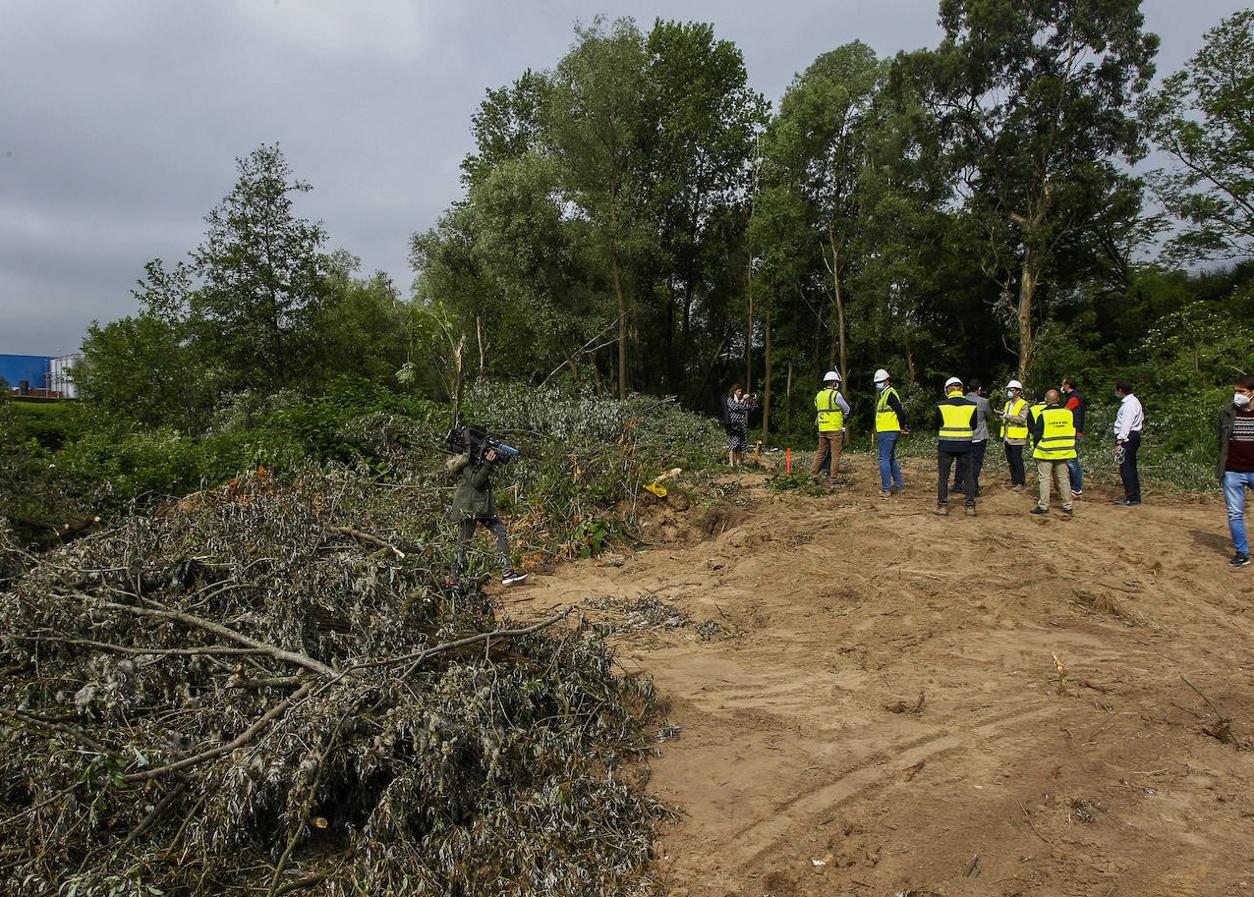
(1014, 384)
(881, 375)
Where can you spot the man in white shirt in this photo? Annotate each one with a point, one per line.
(1128, 425)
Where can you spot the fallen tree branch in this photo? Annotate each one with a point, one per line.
(368, 538)
(239, 741)
(156, 813)
(126, 649)
(81, 737)
(34, 808)
(217, 629)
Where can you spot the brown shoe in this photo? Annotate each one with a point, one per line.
(942, 510)
(970, 511)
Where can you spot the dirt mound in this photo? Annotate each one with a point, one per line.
(1046, 742)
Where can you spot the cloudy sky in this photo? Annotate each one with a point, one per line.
(120, 121)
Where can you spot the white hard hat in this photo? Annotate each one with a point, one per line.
(881, 375)
(952, 381)
(831, 375)
(1014, 384)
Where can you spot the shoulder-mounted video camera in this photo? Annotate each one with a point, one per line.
(464, 439)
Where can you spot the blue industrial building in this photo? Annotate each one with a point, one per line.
(46, 375)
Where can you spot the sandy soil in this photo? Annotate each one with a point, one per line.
(878, 710)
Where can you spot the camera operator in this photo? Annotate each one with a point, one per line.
(474, 504)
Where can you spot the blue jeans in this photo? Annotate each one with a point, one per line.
(1235, 485)
(890, 470)
(1077, 478)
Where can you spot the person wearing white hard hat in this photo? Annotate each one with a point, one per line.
(955, 424)
(1014, 433)
(830, 408)
(890, 425)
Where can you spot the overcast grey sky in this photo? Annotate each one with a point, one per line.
(120, 121)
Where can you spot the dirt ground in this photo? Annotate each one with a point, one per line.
(868, 696)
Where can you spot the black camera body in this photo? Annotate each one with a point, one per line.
(463, 438)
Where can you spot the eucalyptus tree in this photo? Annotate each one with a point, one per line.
(1036, 98)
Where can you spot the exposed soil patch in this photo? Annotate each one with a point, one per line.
(904, 704)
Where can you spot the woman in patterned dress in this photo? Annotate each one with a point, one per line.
(736, 420)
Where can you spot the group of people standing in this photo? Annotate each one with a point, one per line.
(964, 421)
(1053, 428)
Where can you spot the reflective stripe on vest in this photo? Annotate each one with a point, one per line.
(885, 417)
(831, 418)
(1014, 431)
(957, 422)
(1057, 442)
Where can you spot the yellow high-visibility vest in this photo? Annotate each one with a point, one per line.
(830, 418)
(1057, 442)
(957, 422)
(885, 417)
(1014, 431)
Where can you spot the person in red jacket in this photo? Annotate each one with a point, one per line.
(1073, 401)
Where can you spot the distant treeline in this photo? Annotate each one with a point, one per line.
(637, 218)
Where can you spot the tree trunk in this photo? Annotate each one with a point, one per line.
(766, 385)
(622, 324)
(910, 366)
(749, 329)
(788, 398)
(840, 306)
(1027, 292)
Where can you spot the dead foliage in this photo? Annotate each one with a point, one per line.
(1104, 604)
(268, 689)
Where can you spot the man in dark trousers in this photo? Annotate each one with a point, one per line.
(1073, 401)
(1129, 421)
(475, 505)
(979, 442)
(955, 424)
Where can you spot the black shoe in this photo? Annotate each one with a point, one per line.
(1127, 502)
(1070, 512)
(1239, 560)
(1038, 510)
(512, 577)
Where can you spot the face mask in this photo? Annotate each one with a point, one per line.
(1010, 393)
(881, 386)
(1240, 399)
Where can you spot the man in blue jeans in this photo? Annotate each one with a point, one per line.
(1236, 463)
(890, 423)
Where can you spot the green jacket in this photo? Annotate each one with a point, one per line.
(474, 490)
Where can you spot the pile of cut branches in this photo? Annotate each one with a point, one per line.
(266, 689)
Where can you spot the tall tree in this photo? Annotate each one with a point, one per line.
(593, 126)
(701, 120)
(263, 275)
(814, 152)
(1203, 116)
(1036, 96)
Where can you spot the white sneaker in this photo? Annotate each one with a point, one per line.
(512, 577)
